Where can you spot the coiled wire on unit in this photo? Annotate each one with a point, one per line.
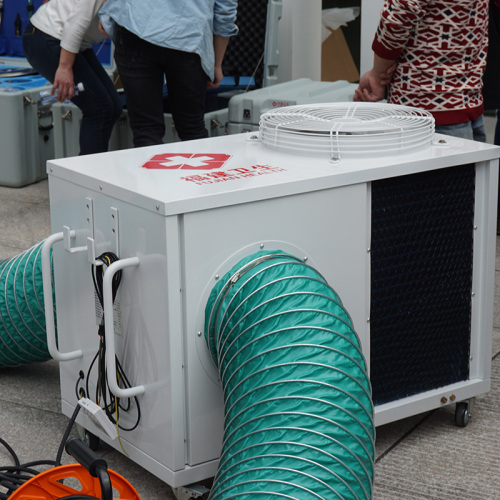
(298, 409)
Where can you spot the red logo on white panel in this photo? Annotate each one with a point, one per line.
(187, 161)
(280, 104)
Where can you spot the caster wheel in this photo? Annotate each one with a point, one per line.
(462, 414)
(91, 440)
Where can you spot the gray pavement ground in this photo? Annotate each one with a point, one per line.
(422, 457)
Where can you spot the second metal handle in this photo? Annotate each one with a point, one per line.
(107, 291)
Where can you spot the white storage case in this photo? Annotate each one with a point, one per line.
(67, 123)
(26, 140)
(245, 109)
(179, 227)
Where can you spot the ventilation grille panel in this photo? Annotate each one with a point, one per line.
(421, 281)
(347, 130)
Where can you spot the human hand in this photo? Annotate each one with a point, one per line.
(371, 88)
(102, 30)
(64, 83)
(218, 76)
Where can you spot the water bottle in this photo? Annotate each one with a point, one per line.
(47, 98)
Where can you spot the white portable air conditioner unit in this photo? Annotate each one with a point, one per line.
(399, 221)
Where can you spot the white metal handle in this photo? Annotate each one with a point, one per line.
(107, 292)
(49, 303)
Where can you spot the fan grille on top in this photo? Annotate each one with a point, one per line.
(347, 130)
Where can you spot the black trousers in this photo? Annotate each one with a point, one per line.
(142, 67)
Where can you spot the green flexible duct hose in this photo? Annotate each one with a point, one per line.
(22, 319)
(298, 409)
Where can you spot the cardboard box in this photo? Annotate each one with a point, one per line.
(337, 62)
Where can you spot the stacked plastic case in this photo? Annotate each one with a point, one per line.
(26, 140)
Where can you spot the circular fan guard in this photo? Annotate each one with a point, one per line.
(347, 130)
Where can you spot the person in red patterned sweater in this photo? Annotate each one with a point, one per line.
(431, 54)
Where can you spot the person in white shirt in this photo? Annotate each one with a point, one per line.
(58, 42)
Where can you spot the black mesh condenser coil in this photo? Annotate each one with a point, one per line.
(421, 281)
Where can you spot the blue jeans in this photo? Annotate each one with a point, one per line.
(100, 104)
(473, 130)
(143, 67)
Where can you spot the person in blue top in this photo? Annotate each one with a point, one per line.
(182, 41)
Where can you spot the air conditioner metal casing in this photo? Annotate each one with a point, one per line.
(188, 227)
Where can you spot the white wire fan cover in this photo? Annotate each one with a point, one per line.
(347, 130)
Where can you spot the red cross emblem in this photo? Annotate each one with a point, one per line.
(187, 161)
